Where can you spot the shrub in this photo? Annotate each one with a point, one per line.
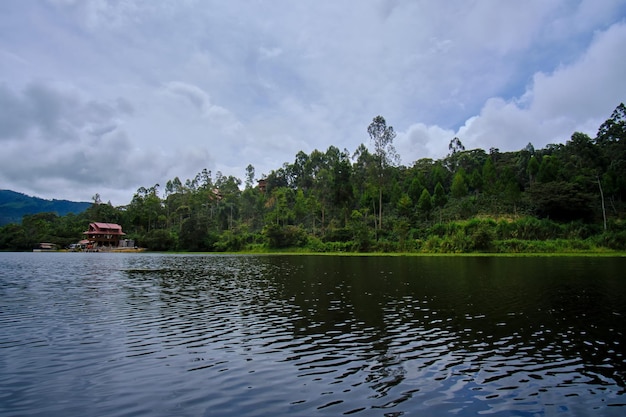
(285, 236)
(540, 246)
(159, 240)
(511, 246)
(457, 242)
(528, 228)
(612, 240)
(229, 241)
(348, 246)
(432, 244)
(439, 229)
(385, 245)
(482, 238)
(316, 245)
(342, 234)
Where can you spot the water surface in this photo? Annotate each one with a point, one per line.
(195, 335)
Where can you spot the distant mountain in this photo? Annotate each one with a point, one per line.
(14, 205)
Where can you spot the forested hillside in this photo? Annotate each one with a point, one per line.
(563, 197)
(13, 206)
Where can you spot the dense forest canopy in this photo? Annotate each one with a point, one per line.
(337, 200)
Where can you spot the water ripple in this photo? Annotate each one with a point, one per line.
(256, 336)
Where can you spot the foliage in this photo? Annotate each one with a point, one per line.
(159, 240)
(385, 156)
(562, 200)
(285, 236)
(425, 204)
(534, 200)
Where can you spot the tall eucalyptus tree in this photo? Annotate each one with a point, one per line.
(382, 137)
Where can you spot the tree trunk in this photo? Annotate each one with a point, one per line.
(380, 208)
(374, 216)
(602, 198)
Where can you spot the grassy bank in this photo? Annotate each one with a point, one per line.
(526, 235)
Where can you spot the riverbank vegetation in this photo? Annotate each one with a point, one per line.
(562, 198)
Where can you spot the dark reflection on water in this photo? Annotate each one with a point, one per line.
(163, 335)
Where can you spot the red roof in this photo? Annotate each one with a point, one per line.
(106, 228)
(107, 225)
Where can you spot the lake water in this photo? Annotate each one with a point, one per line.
(96, 334)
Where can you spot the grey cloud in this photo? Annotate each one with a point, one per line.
(52, 135)
(124, 106)
(192, 93)
(47, 112)
(36, 108)
(47, 106)
(14, 117)
(83, 168)
(102, 129)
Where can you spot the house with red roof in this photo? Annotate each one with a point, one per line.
(104, 234)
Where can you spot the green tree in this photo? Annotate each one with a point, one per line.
(360, 231)
(145, 208)
(476, 180)
(455, 146)
(382, 136)
(159, 240)
(452, 160)
(15, 237)
(459, 184)
(249, 176)
(415, 188)
(490, 177)
(611, 139)
(251, 208)
(363, 169)
(438, 174)
(439, 198)
(342, 181)
(279, 211)
(405, 205)
(561, 201)
(425, 203)
(613, 130)
(301, 208)
(512, 191)
(548, 169)
(226, 195)
(532, 169)
(102, 212)
(39, 227)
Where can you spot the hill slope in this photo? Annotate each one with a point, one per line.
(14, 205)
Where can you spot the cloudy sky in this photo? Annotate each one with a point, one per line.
(106, 96)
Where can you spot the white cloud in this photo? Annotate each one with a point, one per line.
(590, 86)
(578, 97)
(421, 141)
